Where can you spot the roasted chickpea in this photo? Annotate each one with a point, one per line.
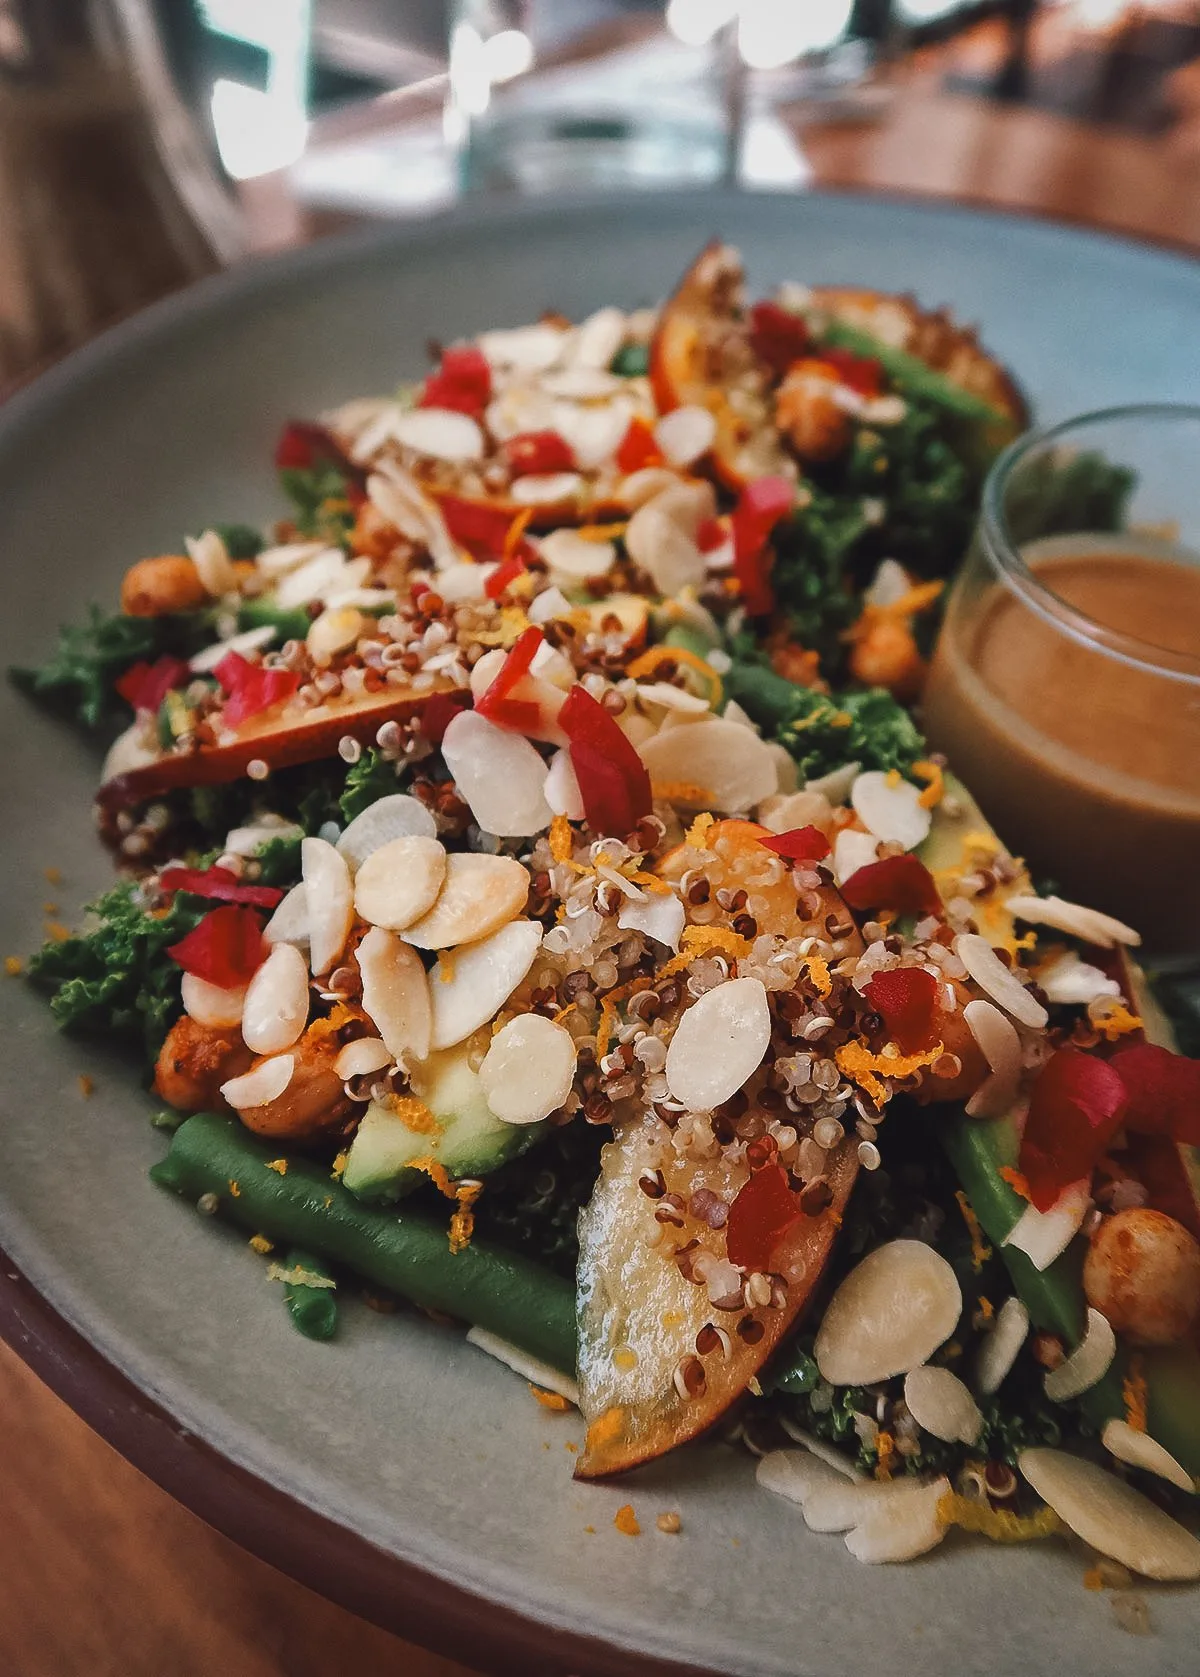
(313, 1101)
(954, 1034)
(808, 415)
(154, 587)
(193, 1063)
(887, 656)
(1142, 1271)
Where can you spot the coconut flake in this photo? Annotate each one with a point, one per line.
(529, 1368)
(573, 559)
(500, 775)
(395, 993)
(276, 1009)
(260, 1085)
(471, 987)
(686, 434)
(1089, 1361)
(213, 564)
(901, 1526)
(1112, 1516)
(660, 916)
(891, 808)
(889, 1315)
(329, 894)
(1000, 1348)
(1042, 1235)
(400, 881)
(289, 923)
(561, 790)
(528, 1070)
(479, 894)
(1138, 1449)
(1000, 982)
(719, 1043)
(211, 1004)
(939, 1402)
(393, 817)
(1068, 981)
(361, 1057)
(1000, 1046)
(728, 767)
(440, 434)
(1085, 923)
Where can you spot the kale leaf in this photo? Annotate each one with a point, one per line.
(76, 681)
(824, 731)
(374, 776)
(318, 494)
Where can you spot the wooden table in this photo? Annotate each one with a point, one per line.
(100, 1572)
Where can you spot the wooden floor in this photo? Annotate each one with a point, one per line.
(103, 1575)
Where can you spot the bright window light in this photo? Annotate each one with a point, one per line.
(470, 83)
(256, 132)
(773, 32)
(925, 11)
(695, 22)
(507, 55)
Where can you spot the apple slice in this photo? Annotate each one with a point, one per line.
(700, 352)
(278, 738)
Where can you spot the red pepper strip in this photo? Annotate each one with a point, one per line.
(861, 372)
(613, 780)
(496, 701)
(760, 507)
(226, 948)
(536, 452)
(1075, 1108)
(638, 447)
(800, 844)
(439, 712)
(900, 883)
(480, 526)
(145, 686)
(505, 573)
(777, 336)
(905, 999)
(252, 687)
(463, 382)
(1162, 1091)
(763, 1212)
(219, 884)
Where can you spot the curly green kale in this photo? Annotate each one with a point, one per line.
(1054, 494)
(824, 731)
(76, 681)
(533, 1203)
(318, 494)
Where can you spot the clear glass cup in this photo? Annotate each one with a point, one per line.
(1065, 688)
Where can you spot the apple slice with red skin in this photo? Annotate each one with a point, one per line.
(279, 738)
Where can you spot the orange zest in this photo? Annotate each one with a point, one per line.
(553, 1401)
(1016, 1180)
(980, 1250)
(414, 1115)
(646, 663)
(1133, 1393)
(935, 789)
(996, 1523)
(626, 1520)
(858, 1063)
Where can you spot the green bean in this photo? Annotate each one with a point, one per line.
(313, 1309)
(405, 1251)
(911, 374)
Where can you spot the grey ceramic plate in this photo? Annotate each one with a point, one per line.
(407, 1473)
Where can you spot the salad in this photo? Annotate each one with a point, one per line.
(538, 903)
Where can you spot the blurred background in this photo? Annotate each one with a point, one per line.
(143, 142)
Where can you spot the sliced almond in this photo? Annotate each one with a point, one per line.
(664, 545)
(528, 1070)
(393, 817)
(1001, 1346)
(727, 769)
(251, 640)
(821, 1447)
(310, 580)
(939, 1403)
(642, 486)
(598, 339)
(853, 850)
(891, 808)
(1001, 983)
(209, 1004)
(660, 916)
(582, 384)
(546, 489)
(480, 894)
(277, 997)
(400, 881)
(1112, 1516)
(363, 1056)
(901, 1526)
(1086, 923)
(524, 349)
(573, 559)
(889, 1315)
(1138, 1449)
(289, 923)
(500, 775)
(275, 562)
(1089, 1362)
(1042, 1235)
(1001, 1048)
(440, 434)
(329, 893)
(1068, 981)
(465, 583)
(665, 696)
(719, 1043)
(529, 1368)
(402, 501)
(468, 988)
(213, 565)
(395, 993)
(840, 1504)
(594, 434)
(336, 630)
(260, 1085)
(795, 1474)
(550, 603)
(561, 790)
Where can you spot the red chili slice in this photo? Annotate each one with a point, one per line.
(481, 527)
(219, 884)
(905, 999)
(1075, 1108)
(252, 688)
(497, 703)
(505, 573)
(800, 844)
(638, 448)
(900, 883)
(145, 686)
(777, 336)
(463, 382)
(613, 781)
(1162, 1091)
(760, 507)
(861, 372)
(535, 453)
(226, 948)
(763, 1212)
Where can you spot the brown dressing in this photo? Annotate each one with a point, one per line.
(1088, 765)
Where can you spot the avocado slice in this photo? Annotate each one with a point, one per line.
(471, 1141)
(264, 611)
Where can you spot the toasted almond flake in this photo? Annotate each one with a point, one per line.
(1000, 982)
(402, 501)
(250, 640)
(1001, 1048)
(1138, 1449)
(660, 916)
(309, 581)
(719, 1043)
(440, 434)
(1089, 1361)
(471, 989)
(678, 699)
(582, 384)
(329, 894)
(891, 808)
(480, 894)
(686, 434)
(598, 339)
(889, 1315)
(1001, 1346)
(594, 434)
(336, 630)
(400, 881)
(727, 769)
(939, 1402)
(500, 775)
(901, 1526)
(1085, 923)
(361, 1057)
(213, 565)
(133, 748)
(853, 850)
(795, 1474)
(573, 559)
(276, 1009)
(393, 817)
(546, 489)
(395, 994)
(460, 584)
(528, 1069)
(275, 562)
(1112, 1516)
(642, 486)
(260, 1085)
(525, 349)
(529, 1368)
(550, 603)
(661, 538)
(289, 923)
(209, 1004)
(1042, 1235)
